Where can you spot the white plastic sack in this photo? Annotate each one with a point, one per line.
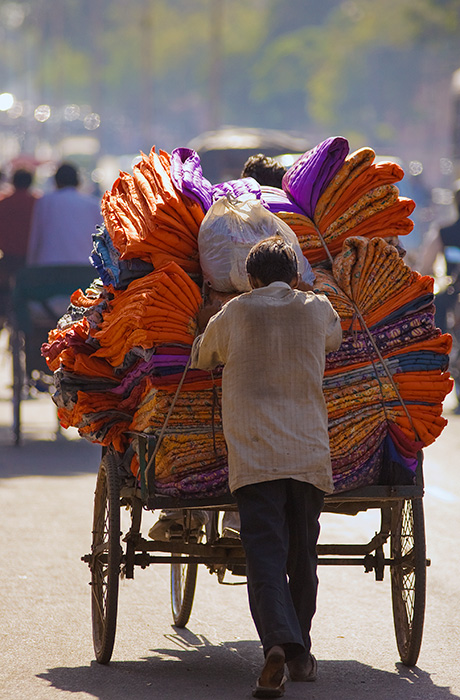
(227, 233)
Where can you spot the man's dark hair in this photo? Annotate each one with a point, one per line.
(66, 176)
(264, 169)
(272, 260)
(22, 179)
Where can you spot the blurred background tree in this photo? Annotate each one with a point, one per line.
(128, 75)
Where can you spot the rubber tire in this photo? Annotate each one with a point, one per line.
(105, 566)
(408, 584)
(183, 584)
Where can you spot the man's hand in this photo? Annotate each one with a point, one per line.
(206, 312)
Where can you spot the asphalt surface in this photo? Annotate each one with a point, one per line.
(46, 492)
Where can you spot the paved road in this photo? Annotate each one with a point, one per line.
(46, 489)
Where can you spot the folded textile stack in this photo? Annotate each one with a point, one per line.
(148, 218)
(128, 343)
(385, 386)
(128, 339)
(328, 196)
(192, 457)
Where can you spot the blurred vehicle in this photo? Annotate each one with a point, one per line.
(224, 152)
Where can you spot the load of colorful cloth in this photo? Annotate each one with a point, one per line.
(120, 354)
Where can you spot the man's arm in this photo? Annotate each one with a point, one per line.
(208, 349)
(333, 331)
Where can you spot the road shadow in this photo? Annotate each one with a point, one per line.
(59, 457)
(191, 666)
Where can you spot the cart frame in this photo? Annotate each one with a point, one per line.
(112, 555)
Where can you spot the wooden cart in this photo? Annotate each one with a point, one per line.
(399, 545)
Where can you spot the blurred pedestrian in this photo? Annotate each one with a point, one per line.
(5, 187)
(63, 222)
(15, 220)
(445, 241)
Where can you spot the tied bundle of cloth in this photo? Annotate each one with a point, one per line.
(116, 346)
(385, 386)
(329, 195)
(191, 460)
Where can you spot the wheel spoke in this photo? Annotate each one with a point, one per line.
(183, 583)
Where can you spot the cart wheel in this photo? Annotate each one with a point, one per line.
(183, 583)
(106, 558)
(408, 579)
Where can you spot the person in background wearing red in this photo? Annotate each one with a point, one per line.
(16, 212)
(15, 218)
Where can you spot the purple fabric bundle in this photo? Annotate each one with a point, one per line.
(305, 182)
(237, 188)
(276, 200)
(210, 483)
(187, 176)
(146, 367)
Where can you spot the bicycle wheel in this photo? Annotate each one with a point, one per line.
(183, 584)
(408, 578)
(106, 556)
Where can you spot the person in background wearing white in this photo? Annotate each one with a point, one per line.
(63, 222)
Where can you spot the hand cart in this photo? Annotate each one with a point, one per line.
(399, 545)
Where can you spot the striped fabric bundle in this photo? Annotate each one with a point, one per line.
(192, 456)
(389, 377)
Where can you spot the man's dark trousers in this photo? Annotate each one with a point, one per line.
(279, 532)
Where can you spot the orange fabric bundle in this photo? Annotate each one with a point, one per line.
(148, 218)
(354, 164)
(156, 309)
(360, 200)
(386, 219)
(369, 273)
(373, 176)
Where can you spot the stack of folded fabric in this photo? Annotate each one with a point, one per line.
(129, 336)
(328, 196)
(148, 218)
(385, 386)
(191, 458)
(122, 351)
(128, 342)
